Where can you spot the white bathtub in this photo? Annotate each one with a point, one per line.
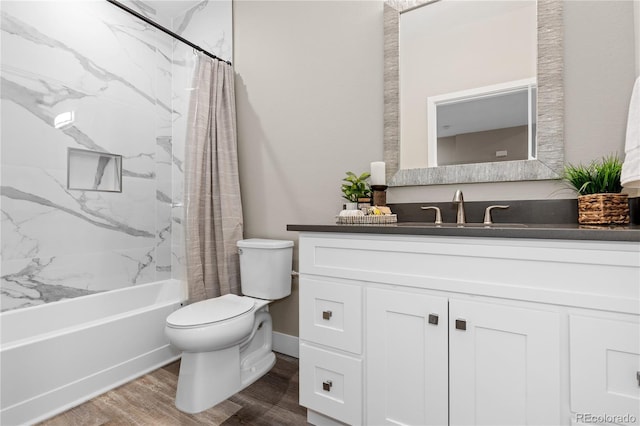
(57, 355)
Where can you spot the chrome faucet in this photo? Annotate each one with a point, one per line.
(459, 200)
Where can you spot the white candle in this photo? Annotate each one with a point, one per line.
(378, 173)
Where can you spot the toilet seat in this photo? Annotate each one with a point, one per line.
(210, 311)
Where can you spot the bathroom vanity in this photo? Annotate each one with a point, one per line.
(417, 324)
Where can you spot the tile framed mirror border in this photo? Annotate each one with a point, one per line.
(550, 109)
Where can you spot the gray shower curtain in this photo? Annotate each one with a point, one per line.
(213, 217)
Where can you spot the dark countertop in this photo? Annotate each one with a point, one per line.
(537, 231)
(537, 219)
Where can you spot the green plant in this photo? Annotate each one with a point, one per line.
(599, 177)
(356, 187)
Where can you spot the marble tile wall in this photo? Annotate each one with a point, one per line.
(128, 85)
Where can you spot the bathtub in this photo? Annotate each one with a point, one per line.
(58, 355)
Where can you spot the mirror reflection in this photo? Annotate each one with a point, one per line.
(448, 47)
(490, 124)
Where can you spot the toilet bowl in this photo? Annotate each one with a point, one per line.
(212, 324)
(226, 341)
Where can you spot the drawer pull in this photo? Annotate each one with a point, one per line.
(326, 385)
(638, 377)
(326, 315)
(433, 319)
(461, 324)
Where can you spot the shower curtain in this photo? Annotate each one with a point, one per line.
(213, 216)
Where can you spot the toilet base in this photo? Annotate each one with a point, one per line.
(201, 385)
(259, 369)
(208, 378)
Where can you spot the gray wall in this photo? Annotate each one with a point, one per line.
(310, 104)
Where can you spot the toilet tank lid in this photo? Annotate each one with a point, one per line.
(264, 243)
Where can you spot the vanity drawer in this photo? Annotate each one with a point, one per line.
(331, 384)
(331, 314)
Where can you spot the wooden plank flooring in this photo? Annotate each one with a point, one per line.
(149, 400)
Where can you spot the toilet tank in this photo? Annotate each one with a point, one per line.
(265, 268)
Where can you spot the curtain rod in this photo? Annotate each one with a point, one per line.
(164, 30)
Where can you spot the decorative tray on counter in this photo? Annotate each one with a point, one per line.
(367, 219)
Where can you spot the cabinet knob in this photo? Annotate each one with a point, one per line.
(433, 319)
(461, 324)
(326, 385)
(326, 315)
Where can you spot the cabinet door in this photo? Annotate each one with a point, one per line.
(504, 365)
(605, 368)
(406, 358)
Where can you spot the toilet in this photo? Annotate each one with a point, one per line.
(226, 341)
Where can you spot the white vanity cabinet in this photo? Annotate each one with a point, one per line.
(490, 363)
(430, 330)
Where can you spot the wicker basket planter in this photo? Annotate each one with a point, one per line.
(603, 209)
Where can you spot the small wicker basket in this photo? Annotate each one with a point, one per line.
(603, 209)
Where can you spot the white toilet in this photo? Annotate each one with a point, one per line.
(226, 341)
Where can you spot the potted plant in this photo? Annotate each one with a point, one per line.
(356, 190)
(598, 186)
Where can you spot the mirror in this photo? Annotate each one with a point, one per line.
(541, 152)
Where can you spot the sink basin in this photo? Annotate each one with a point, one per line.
(466, 225)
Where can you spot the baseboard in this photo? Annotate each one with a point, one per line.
(285, 344)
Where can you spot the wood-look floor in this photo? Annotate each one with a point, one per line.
(149, 400)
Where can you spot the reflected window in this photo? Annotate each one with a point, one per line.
(481, 125)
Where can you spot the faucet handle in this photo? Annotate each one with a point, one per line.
(487, 213)
(438, 214)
